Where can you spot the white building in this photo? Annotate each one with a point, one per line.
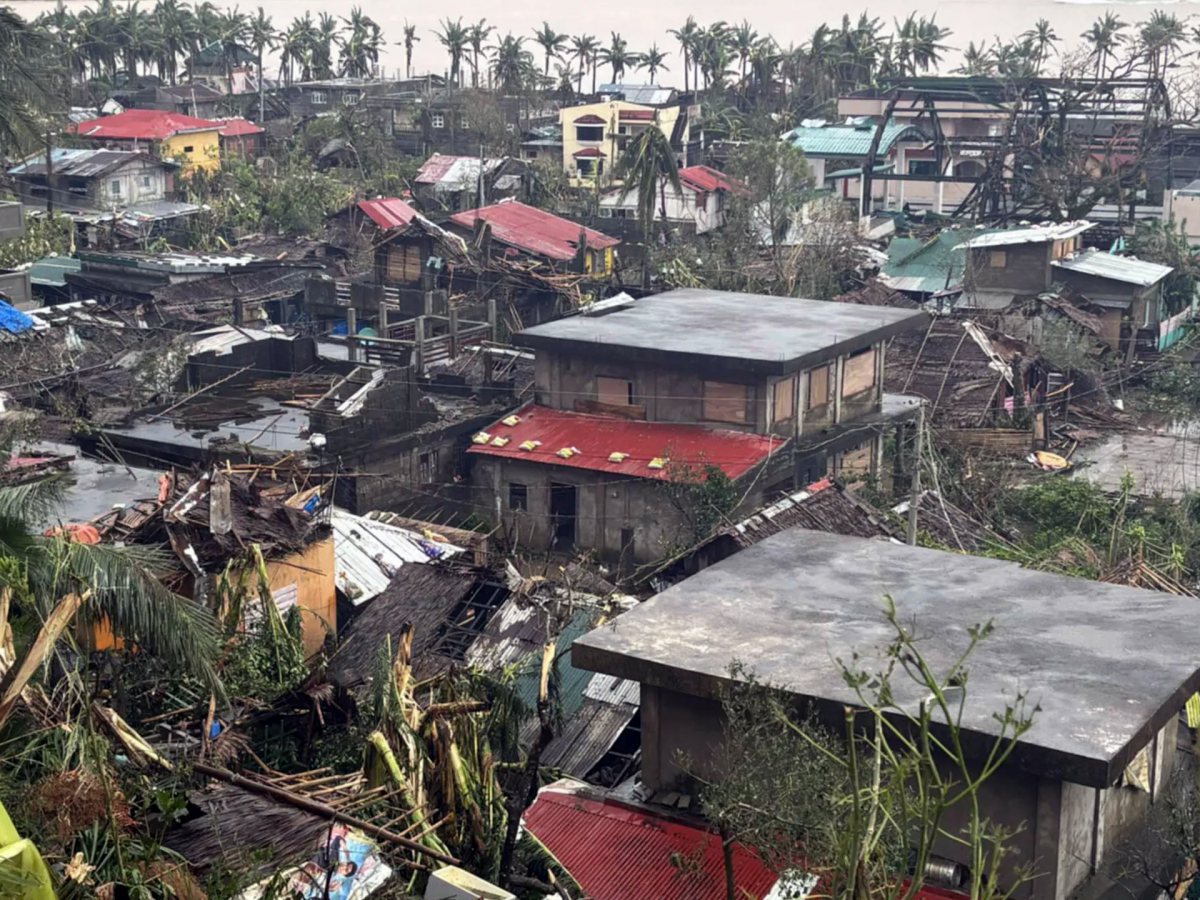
(700, 200)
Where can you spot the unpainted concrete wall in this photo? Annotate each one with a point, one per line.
(1027, 268)
(676, 727)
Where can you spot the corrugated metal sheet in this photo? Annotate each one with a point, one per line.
(1038, 234)
(236, 126)
(224, 338)
(617, 852)
(453, 172)
(703, 178)
(76, 162)
(143, 124)
(533, 230)
(368, 553)
(587, 736)
(517, 629)
(571, 681)
(1114, 268)
(50, 271)
(849, 140)
(596, 437)
(648, 94)
(388, 212)
(610, 689)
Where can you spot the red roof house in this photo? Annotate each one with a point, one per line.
(387, 212)
(142, 125)
(533, 230)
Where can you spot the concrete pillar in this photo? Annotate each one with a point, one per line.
(352, 334)
(453, 332)
(419, 348)
(383, 319)
(239, 311)
(492, 316)
(902, 169)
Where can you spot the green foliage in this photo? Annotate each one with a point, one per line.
(44, 236)
(777, 178)
(703, 496)
(1166, 243)
(1173, 385)
(264, 661)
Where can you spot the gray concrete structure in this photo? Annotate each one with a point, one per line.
(1106, 664)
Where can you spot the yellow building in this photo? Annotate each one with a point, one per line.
(194, 143)
(595, 135)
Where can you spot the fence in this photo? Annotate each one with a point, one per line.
(1171, 330)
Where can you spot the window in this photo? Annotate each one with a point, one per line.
(614, 391)
(589, 134)
(586, 166)
(115, 189)
(724, 402)
(518, 496)
(437, 120)
(318, 98)
(922, 167)
(427, 466)
(818, 387)
(462, 123)
(145, 181)
(350, 98)
(189, 149)
(784, 401)
(997, 259)
(859, 374)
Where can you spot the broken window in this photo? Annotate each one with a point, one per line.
(589, 134)
(427, 466)
(724, 402)
(818, 387)
(784, 401)
(518, 496)
(859, 374)
(614, 391)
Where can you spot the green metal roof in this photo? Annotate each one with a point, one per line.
(571, 681)
(849, 140)
(51, 270)
(928, 265)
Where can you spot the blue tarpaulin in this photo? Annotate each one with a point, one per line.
(13, 320)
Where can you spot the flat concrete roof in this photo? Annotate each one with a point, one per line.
(1108, 665)
(754, 332)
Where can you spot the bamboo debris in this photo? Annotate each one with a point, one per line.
(18, 672)
(136, 745)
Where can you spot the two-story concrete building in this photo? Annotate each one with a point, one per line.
(595, 135)
(1106, 664)
(698, 206)
(774, 391)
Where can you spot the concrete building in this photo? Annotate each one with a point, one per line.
(632, 394)
(836, 153)
(194, 143)
(1106, 664)
(698, 206)
(595, 135)
(83, 179)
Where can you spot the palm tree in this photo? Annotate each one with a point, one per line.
(1159, 37)
(512, 65)
(360, 50)
(977, 60)
(323, 43)
(742, 40)
(453, 37)
(618, 56)
(95, 582)
(410, 38)
(583, 49)
(646, 166)
(476, 35)
(1043, 38)
(653, 60)
(26, 85)
(686, 36)
(1104, 37)
(263, 36)
(551, 42)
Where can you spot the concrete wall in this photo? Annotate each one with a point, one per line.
(1026, 268)
(676, 726)
(609, 144)
(682, 206)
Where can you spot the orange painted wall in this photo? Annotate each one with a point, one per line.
(316, 590)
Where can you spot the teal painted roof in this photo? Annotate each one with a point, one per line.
(572, 681)
(849, 140)
(926, 265)
(51, 270)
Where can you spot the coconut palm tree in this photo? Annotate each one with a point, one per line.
(26, 83)
(583, 50)
(263, 36)
(1043, 38)
(647, 166)
(410, 38)
(977, 60)
(1158, 38)
(551, 42)
(512, 65)
(178, 36)
(323, 43)
(653, 61)
(360, 49)
(62, 580)
(453, 37)
(477, 34)
(1104, 37)
(618, 55)
(742, 41)
(686, 37)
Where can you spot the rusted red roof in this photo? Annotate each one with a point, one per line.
(588, 152)
(533, 230)
(618, 852)
(637, 115)
(597, 437)
(704, 178)
(387, 212)
(589, 119)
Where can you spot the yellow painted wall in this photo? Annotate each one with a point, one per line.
(316, 590)
(205, 153)
(610, 113)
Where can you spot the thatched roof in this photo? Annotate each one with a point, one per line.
(233, 827)
(876, 293)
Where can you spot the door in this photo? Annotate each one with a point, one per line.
(563, 502)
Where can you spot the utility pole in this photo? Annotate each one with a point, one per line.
(49, 175)
(915, 500)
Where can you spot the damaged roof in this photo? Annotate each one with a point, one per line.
(369, 553)
(588, 441)
(1109, 266)
(454, 172)
(387, 212)
(533, 230)
(83, 163)
(1037, 234)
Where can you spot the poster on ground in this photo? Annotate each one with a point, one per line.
(346, 866)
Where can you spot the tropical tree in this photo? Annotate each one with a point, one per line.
(262, 36)
(686, 37)
(977, 60)
(26, 81)
(410, 39)
(323, 43)
(552, 43)
(298, 48)
(646, 167)
(618, 55)
(360, 45)
(1103, 39)
(1043, 39)
(742, 41)
(584, 48)
(653, 61)
(477, 34)
(512, 65)
(1159, 37)
(454, 37)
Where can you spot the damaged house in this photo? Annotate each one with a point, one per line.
(635, 398)
(454, 183)
(74, 179)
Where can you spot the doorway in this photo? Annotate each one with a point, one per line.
(563, 513)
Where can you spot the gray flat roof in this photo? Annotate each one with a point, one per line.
(771, 335)
(1109, 665)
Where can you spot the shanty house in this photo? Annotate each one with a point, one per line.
(1104, 664)
(698, 205)
(454, 183)
(528, 232)
(595, 134)
(74, 179)
(634, 395)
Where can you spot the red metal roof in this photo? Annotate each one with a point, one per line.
(597, 437)
(703, 178)
(591, 152)
(435, 168)
(533, 230)
(236, 126)
(589, 119)
(388, 212)
(617, 852)
(637, 115)
(143, 124)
